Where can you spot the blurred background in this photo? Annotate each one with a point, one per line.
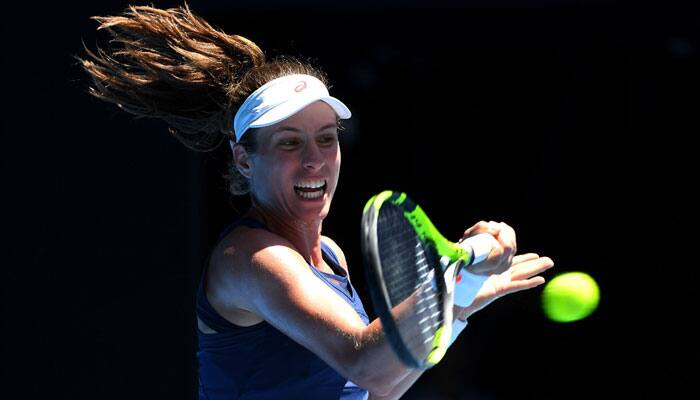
(570, 120)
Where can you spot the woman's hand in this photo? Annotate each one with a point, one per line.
(503, 247)
(520, 276)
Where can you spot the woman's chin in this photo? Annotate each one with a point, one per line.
(313, 212)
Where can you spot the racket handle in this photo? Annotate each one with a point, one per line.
(481, 245)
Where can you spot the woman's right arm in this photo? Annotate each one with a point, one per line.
(265, 276)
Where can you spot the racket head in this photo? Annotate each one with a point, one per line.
(407, 282)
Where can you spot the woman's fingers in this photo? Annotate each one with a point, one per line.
(529, 265)
(479, 227)
(506, 236)
(524, 257)
(517, 286)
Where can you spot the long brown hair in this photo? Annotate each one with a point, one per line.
(172, 65)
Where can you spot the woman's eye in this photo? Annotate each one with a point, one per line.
(289, 142)
(328, 139)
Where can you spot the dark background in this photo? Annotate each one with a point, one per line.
(570, 120)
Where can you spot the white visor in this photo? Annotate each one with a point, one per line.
(281, 98)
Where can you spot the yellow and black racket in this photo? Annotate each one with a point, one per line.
(411, 270)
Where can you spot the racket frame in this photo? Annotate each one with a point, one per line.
(444, 278)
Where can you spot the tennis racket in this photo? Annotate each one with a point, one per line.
(411, 270)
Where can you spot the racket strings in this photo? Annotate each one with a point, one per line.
(408, 266)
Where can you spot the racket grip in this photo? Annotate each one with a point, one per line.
(481, 245)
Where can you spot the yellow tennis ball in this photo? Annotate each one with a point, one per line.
(570, 297)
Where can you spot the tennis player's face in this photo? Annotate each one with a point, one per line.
(295, 171)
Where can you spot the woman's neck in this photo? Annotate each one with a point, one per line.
(304, 236)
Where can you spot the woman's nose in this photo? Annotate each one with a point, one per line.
(313, 157)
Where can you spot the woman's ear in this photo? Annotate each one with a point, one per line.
(241, 160)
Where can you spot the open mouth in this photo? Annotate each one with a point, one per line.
(312, 189)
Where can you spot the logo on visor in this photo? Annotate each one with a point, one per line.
(300, 86)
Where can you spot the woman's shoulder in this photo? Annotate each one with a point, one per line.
(237, 265)
(243, 243)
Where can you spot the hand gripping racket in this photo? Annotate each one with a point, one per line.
(411, 270)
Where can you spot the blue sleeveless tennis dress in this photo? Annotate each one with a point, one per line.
(259, 362)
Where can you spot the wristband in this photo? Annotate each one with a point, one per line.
(457, 327)
(467, 285)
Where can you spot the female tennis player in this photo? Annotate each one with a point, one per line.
(278, 317)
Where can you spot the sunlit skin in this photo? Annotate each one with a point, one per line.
(303, 147)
